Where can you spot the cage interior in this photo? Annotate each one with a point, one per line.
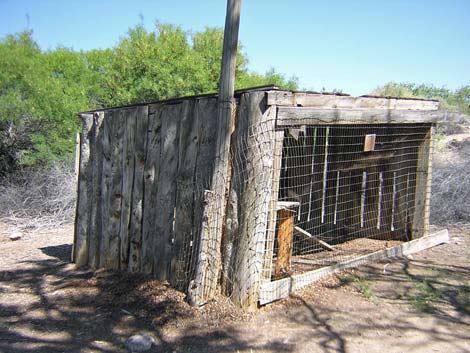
(345, 191)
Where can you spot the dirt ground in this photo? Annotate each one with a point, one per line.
(416, 304)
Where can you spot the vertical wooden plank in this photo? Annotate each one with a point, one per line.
(151, 173)
(199, 289)
(166, 186)
(203, 287)
(135, 229)
(187, 152)
(112, 189)
(406, 162)
(272, 220)
(84, 194)
(285, 240)
(387, 202)
(342, 156)
(423, 186)
(255, 131)
(316, 183)
(372, 199)
(128, 169)
(106, 179)
(76, 168)
(95, 219)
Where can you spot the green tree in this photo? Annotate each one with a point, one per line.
(40, 94)
(42, 91)
(458, 100)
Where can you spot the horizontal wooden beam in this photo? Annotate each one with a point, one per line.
(292, 116)
(304, 99)
(314, 238)
(271, 291)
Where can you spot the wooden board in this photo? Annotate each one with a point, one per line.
(303, 99)
(95, 202)
(274, 206)
(285, 241)
(166, 186)
(291, 116)
(151, 173)
(254, 131)
(129, 124)
(204, 281)
(106, 179)
(276, 290)
(135, 229)
(187, 149)
(84, 194)
(111, 196)
(423, 186)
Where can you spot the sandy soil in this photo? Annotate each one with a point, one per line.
(418, 304)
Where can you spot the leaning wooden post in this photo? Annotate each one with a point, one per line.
(209, 257)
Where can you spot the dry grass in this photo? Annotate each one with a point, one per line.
(45, 197)
(451, 182)
(39, 198)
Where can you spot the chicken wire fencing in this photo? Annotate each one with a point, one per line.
(329, 193)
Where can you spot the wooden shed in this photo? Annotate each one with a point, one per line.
(318, 182)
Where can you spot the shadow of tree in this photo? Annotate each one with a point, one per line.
(49, 306)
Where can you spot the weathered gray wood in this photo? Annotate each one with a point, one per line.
(303, 99)
(255, 132)
(128, 169)
(225, 108)
(288, 116)
(151, 173)
(187, 150)
(166, 186)
(106, 179)
(202, 261)
(200, 289)
(275, 205)
(271, 291)
(76, 168)
(230, 223)
(135, 229)
(423, 186)
(84, 194)
(111, 191)
(95, 217)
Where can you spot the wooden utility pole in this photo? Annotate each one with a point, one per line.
(209, 261)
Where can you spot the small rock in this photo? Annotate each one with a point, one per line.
(16, 236)
(125, 312)
(139, 343)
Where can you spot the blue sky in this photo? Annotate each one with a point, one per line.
(351, 45)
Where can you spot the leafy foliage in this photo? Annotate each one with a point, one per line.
(41, 91)
(457, 101)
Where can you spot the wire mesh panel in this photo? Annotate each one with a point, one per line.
(344, 191)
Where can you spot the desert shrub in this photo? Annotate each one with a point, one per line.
(451, 183)
(39, 197)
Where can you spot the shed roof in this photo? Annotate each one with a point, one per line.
(307, 95)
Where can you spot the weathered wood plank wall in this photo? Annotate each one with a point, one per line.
(143, 172)
(145, 200)
(253, 164)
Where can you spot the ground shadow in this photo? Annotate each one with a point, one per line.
(62, 252)
(49, 306)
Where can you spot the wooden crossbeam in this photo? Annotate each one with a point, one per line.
(313, 237)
